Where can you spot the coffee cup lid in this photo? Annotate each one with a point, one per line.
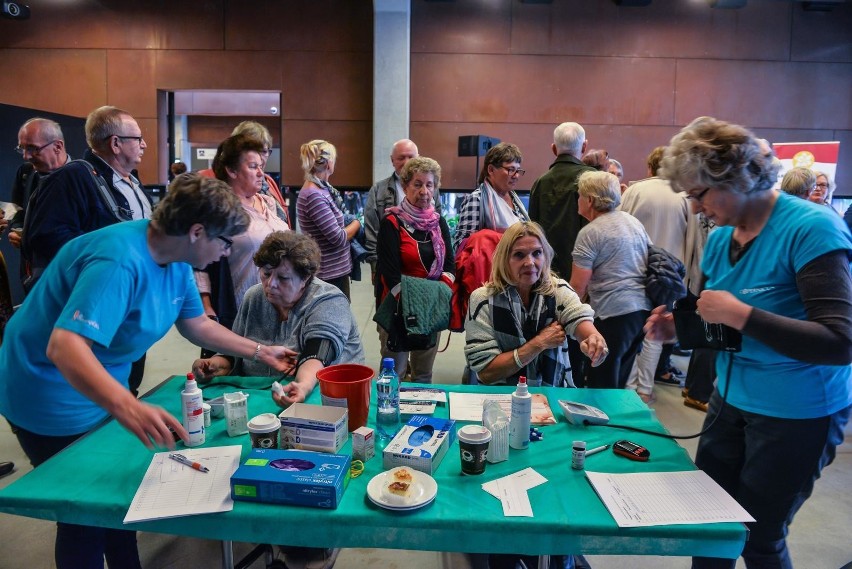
(474, 434)
(264, 423)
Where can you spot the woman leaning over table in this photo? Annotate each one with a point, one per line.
(519, 322)
(291, 307)
(223, 284)
(610, 260)
(319, 208)
(105, 299)
(494, 204)
(777, 269)
(413, 240)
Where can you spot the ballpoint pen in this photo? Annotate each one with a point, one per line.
(183, 460)
(596, 450)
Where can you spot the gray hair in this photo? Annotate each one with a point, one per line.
(48, 129)
(420, 165)
(798, 182)
(569, 138)
(102, 123)
(828, 181)
(602, 188)
(709, 153)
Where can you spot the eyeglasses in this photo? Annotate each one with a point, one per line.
(822, 186)
(138, 139)
(33, 150)
(265, 152)
(514, 171)
(228, 242)
(699, 197)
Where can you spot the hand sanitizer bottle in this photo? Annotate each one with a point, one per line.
(191, 402)
(519, 425)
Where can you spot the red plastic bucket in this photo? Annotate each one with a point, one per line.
(347, 385)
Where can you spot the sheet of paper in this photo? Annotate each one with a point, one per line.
(468, 407)
(664, 498)
(422, 394)
(171, 489)
(9, 209)
(524, 479)
(515, 500)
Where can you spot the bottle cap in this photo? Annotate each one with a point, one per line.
(388, 363)
(522, 386)
(191, 385)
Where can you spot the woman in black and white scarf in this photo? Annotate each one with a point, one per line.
(519, 322)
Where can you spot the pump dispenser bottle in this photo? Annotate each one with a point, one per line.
(191, 402)
(519, 425)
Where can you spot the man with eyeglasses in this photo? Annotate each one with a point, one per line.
(88, 194)
(91, 193)
(42, 145)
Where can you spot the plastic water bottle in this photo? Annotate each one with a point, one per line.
(519, 425)
(387, 407)
(193, 413)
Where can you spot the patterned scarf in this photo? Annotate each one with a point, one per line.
(424, 220)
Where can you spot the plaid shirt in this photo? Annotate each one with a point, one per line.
(470, 216)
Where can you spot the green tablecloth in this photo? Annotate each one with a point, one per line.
(93, 482)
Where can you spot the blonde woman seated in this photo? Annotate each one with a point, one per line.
(519, 322)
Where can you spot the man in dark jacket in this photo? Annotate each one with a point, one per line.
(553, 197)
(85, 195)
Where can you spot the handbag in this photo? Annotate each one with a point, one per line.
(694, 332)
(414, 319)
(664, 277)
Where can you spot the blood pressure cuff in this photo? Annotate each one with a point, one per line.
(318, 349)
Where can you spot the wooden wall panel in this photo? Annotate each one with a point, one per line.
(118, 24)
(331, 25)
(68, 81)
(766, 94)
(662, 29)
(212, 130)
(536, 89)
(823, 36)
(460, 27)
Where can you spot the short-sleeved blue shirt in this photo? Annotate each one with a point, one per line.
(104, 286)
(763, 380)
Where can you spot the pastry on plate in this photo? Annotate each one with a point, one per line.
(402, 474)
(397, 492)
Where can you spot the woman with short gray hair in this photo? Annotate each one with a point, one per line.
(777, 270)
(610, 260)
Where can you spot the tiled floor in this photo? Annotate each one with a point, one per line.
(819, 536)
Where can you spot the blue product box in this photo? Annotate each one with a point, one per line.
(420, 444)
(292, 477)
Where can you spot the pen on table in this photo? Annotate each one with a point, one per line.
(596, 450)
(183, 460)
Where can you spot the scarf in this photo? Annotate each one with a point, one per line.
(424, 220)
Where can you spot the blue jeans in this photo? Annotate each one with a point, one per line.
(80, 547)
(769, 465)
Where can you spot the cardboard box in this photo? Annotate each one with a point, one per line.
(420, 444)
(313, 427)
(292, 477)
(363, 444)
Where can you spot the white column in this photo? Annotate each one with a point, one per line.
(391, 79)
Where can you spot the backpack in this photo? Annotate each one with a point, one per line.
(664, 278)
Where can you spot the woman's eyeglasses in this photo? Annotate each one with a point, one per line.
(228, 242)
(514, 171)
(699, 197)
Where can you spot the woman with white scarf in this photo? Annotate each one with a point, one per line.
(414, 240)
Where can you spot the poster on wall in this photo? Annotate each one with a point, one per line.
(818, 156)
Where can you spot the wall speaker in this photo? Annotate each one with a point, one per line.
(476, 144)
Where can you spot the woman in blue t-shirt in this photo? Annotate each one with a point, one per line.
(776, 269)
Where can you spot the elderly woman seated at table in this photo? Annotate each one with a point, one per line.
(518, 323)
(291, 307)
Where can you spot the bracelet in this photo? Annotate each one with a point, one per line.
(517, 359)
(256, 352)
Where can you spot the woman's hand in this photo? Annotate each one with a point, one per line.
(594, 348)
(279, 358)
(551, 336)
(722, 307)
(660, 326)
(150, 424)
(206, 369)
(294, 392)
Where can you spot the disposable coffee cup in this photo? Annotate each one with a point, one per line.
(473, 445)
(263, 430)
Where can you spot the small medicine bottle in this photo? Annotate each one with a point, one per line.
(578, 455)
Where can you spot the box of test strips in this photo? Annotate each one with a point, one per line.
(313, 427)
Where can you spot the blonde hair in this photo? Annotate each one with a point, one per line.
(501, 277)
(256, 130)
(602, 188)
(316, 156)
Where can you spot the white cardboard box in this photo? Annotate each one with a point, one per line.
(420, 444)
(313, 427)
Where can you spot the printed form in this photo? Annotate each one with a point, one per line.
(171, 489)
(665, 498)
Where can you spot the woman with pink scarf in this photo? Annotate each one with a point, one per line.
(414, 240)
